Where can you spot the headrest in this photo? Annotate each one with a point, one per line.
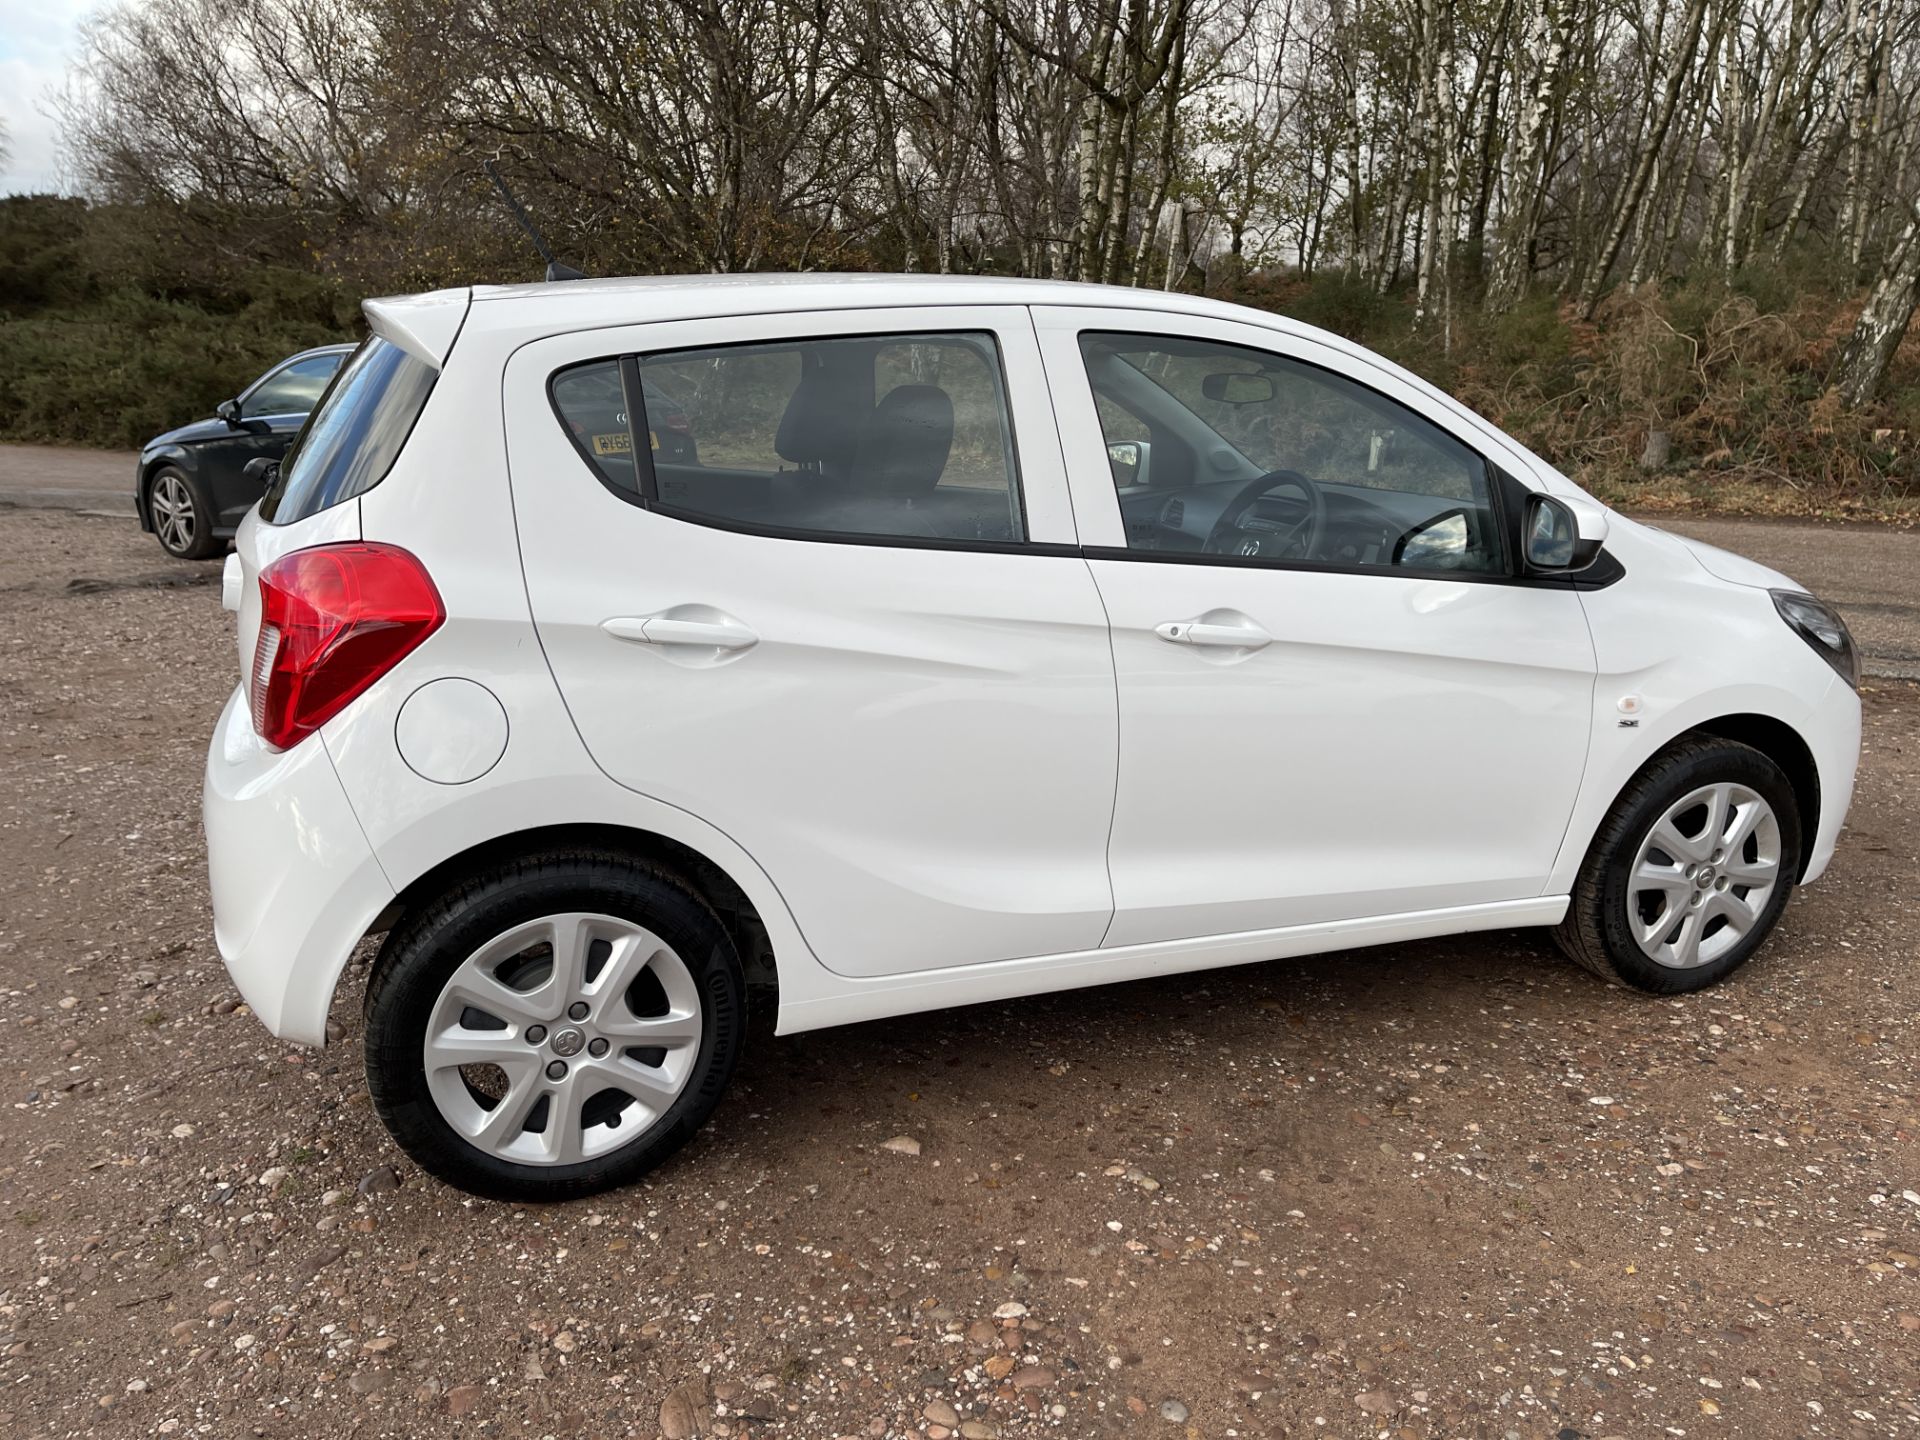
(828, 407)
(907, 439)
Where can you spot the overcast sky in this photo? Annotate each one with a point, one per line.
(37, 39)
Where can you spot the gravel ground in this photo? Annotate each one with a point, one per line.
(1452, 1188)
(59, 477)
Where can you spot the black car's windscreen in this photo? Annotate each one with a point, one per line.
(353, 437)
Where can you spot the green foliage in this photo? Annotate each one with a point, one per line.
(107, 339)
(1337, 301)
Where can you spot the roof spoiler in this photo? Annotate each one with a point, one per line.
(425, 326)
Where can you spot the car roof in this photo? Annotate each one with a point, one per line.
(631, 299)
(427, 324)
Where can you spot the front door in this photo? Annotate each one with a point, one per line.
(272, 410)
(1337, 701)
(813, 579)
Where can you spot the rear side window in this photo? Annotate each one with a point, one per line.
(352, 439)
(904, 436)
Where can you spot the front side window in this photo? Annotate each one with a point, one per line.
(903, 436)
(1224, 450)
(350, 442)
(293, 389)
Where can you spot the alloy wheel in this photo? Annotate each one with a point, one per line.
(563, 1039)
(1703, 875)
(171, 504)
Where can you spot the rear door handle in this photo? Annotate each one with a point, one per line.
(1241, 635)
(666, 630)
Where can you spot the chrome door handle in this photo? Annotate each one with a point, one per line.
(667, 630)
(1243, 635)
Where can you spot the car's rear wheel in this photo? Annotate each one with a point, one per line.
(553, 1027)
(1690, 870)
(182, 519)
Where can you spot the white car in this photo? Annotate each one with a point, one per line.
(997, 637)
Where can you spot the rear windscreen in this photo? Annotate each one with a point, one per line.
(352, 439)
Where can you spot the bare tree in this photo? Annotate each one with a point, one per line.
(1883, 322)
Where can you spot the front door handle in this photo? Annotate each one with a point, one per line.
(1238, 634)
(670, 630)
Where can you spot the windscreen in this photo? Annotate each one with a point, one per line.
(353, 437)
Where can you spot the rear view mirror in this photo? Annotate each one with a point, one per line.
(1238, 387)
(1557, 539)
(1128, 459)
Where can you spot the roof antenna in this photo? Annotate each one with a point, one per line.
(555, 270)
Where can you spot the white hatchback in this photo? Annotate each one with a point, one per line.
(886, 643)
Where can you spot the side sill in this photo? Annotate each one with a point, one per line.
(876, 999)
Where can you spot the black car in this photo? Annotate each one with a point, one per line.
(192, 490)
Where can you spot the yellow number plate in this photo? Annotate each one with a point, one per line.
(615, 444)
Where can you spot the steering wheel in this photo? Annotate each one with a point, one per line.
(1227, 538)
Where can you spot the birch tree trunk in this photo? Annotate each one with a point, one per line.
(1883, 322)
(1625, 211)
(1525, 187)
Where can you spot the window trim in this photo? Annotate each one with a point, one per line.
(1492, 475)
(647, 482)
(1604, 572)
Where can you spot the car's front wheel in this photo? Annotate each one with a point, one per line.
(1690, 870)
(182, 519)
(553, 1027)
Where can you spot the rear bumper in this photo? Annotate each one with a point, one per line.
(295, 884)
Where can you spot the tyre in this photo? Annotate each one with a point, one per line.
(182, 518)
(553, 1027)
(1689, 872)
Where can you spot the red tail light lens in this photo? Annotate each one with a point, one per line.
(333, 620)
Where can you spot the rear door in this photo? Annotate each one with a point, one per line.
(813, 578)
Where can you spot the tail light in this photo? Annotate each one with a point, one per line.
(333, 620)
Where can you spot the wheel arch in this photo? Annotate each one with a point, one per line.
(710, 881)
(1783, 745)
(151, 465)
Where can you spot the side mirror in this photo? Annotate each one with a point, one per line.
(1238, 387)
(260, 470)
(229, 411)
(1129, 459)
(1559, 536)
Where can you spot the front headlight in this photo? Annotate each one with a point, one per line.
(1820, 625)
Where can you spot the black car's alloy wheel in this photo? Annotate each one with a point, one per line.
(181, 517)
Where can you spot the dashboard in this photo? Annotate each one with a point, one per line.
(1363, 526)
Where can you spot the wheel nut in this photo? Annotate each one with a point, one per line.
(577, 1010)
(596, 1048)
(535, 1034)
(557, 1070)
